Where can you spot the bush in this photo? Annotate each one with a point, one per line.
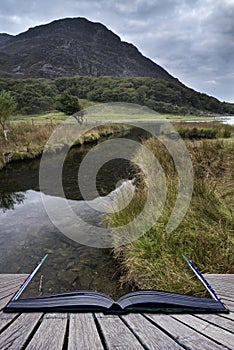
(67, 104)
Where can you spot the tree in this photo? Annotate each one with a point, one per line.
(7, 106)
(68, 104)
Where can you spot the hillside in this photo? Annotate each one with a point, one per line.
(73, 47)
(39, 95)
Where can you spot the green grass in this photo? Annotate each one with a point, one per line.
(205, 235)
(54, 117)
(192, 117)
(40, 119)
(101, 113)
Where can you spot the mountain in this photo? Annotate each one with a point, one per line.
(73, 47)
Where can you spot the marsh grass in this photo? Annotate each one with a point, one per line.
(205, 235)
(24, 142)
(27, 141)
(204, 130)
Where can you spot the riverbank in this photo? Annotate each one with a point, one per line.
(26, 141)
(205, 235)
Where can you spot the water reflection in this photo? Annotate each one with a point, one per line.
(9, 200)
(26, 232)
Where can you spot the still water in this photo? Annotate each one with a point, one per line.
(227, 120)
(26, 233)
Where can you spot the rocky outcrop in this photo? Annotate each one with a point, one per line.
(71, 47)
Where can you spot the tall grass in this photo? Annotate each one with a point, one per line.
(205, 235)
(204, 130)
(27, 141)
(24, 141)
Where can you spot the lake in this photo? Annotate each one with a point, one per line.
(227, 120)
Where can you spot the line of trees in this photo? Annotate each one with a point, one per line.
(40, 95)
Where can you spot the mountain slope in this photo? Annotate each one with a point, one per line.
(70, 47)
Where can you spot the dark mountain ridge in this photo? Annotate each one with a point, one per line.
(73, 47)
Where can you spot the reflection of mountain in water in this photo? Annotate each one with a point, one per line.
(81, 221)
(9, 200)
(29, 208)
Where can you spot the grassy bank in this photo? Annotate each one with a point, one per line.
(27, 141)
(205, 235)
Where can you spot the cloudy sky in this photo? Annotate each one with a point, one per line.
(192, 39)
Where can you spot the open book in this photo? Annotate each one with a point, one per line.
(138, 301)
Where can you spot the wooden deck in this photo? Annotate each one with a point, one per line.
(130, 332)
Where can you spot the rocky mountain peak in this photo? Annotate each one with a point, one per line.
(73, 47)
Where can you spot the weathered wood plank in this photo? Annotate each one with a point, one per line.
(229, 278)
(222, 294)
(229, 316)
(151, 336)
(5, 300)
(214, 332)
(229, 304)
(220, 285)
(218, 321)
(51, 333)
(220, 280)
(10, 284)
(7, 281)
(9, 290)
(225, 299)
(83, 333)
(117, 335)
(223, 289)
(54, 315)
(183, 334)
(5, 319)
(16, 335)
(12, 276)
(219, 277)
